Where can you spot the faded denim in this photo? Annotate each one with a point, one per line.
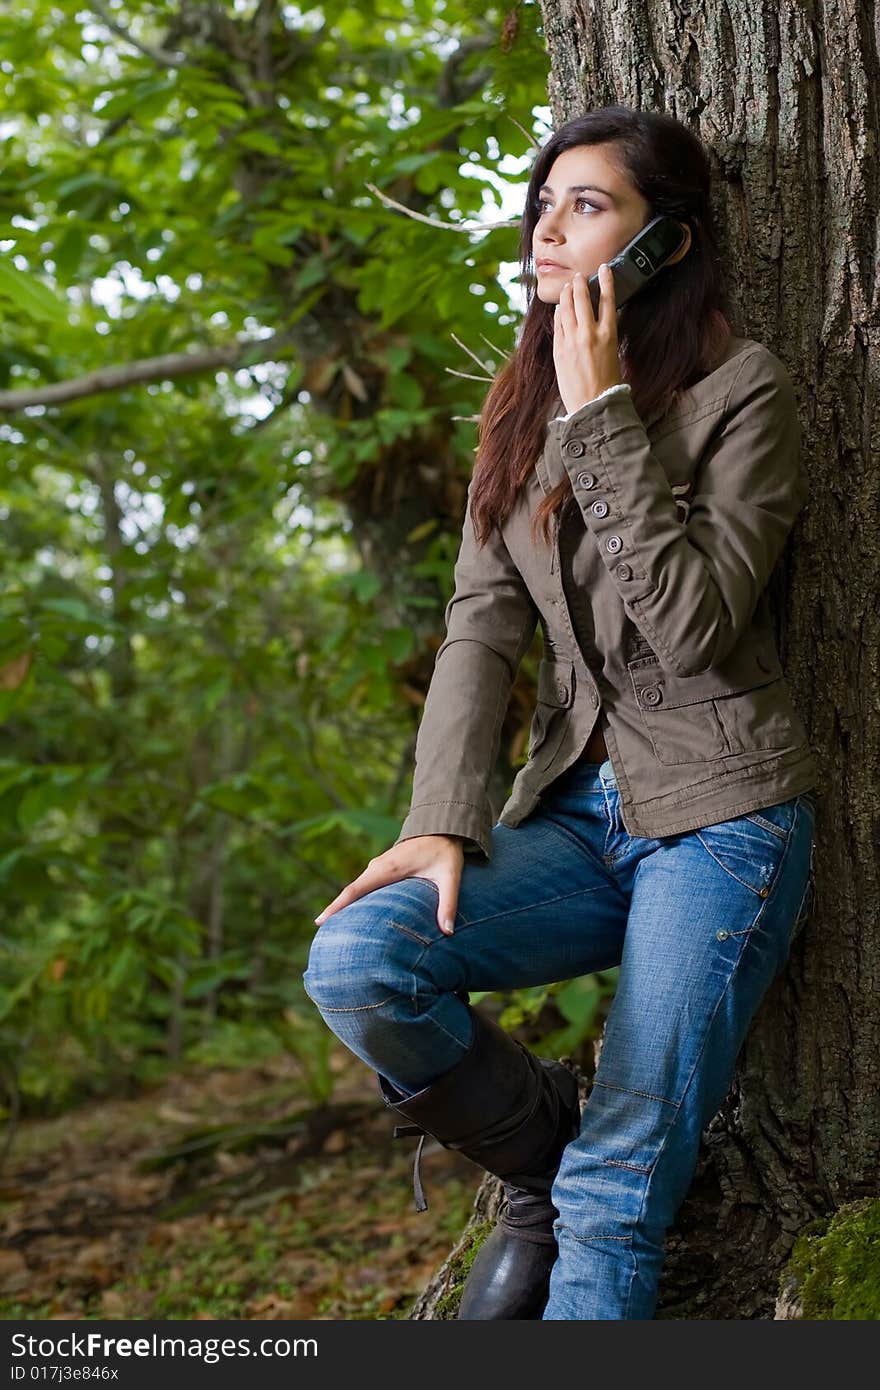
(700, 924)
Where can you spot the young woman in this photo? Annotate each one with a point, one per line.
(636, 480)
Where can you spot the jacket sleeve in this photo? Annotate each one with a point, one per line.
(490, 621)
(618, 386)
(691, 587)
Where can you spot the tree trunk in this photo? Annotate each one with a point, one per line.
(790, 117)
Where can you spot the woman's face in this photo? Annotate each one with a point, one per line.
(579, 227)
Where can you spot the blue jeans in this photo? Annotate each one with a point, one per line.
(700, 924)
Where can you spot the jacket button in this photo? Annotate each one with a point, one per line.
(613, 544)
(599, 507)
(587, 479)
(624, 572)
(651, 695)
(561, 690)
(575, 447)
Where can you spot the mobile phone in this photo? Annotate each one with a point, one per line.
(640, 260)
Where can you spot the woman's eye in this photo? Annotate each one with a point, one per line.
(578, 202)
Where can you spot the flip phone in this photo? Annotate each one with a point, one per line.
(640, 260)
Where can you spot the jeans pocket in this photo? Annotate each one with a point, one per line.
(751, 846)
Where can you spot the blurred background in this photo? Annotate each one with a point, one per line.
(238, 391)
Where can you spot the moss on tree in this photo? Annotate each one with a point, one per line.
(834, 1266)
(448, 1303)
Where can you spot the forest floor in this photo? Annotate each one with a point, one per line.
(226, 1194)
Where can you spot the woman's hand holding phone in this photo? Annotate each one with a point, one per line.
(585, 350)
(439, 858)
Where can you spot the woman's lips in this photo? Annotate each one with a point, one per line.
(549, 265)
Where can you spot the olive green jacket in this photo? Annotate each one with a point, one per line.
(653, 607)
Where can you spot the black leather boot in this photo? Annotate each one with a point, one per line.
(513, 1114)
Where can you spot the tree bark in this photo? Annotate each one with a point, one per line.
(786, 101)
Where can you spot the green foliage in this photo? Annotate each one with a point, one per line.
(223, 586)
(579, 1002)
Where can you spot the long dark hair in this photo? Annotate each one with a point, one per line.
(669, 334)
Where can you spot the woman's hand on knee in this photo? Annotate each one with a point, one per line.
(439, 858)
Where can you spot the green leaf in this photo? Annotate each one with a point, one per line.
(578, 1001)
(29, 295)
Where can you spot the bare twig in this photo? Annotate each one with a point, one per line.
(435, 221)
(498, 352)
(468, 376)
(464, 347)
(526, 133)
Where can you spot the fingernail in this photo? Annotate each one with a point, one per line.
(448, 927)
(604, 265)
(319, 920)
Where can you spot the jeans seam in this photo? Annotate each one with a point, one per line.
(588, 1240)
(630, 1090)
(757, 819)
(530, 907)
(353, 1008)
(408, 931)
(619, 1163)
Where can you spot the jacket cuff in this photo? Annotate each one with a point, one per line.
(460, 818)
(618, 386)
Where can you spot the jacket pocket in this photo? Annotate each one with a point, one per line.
(555, 696)
(717, 713)
(764, 717)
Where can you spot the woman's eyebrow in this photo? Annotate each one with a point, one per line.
(580, 188)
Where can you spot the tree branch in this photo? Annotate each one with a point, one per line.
(158, 55)
(168, 366)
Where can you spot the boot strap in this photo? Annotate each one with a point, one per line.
(418, 1190)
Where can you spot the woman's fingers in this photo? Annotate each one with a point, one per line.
(372, 877)
(447, 887)
(565, 309)
(437, 858)
(575, 307)
(447, 890)
(607, 307)
(583, 304)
